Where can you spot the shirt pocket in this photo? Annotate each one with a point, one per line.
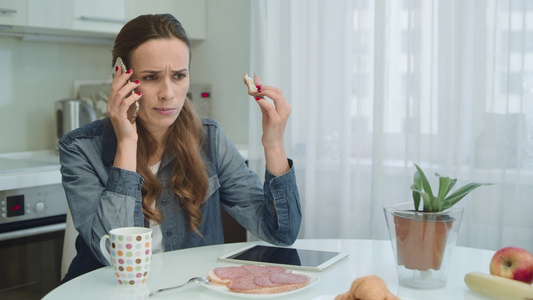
(214, 185)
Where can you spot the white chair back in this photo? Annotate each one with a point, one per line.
(69, 248)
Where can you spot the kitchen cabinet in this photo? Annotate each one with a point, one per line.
(97, 16)
(94, 18)
(12, 13)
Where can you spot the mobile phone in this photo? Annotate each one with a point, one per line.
(133, 110)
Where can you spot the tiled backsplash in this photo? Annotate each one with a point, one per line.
(33, 76)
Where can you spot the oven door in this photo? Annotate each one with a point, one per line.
(31, 258)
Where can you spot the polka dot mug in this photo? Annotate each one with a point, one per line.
(129, 253)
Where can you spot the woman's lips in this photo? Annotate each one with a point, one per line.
(164, 110)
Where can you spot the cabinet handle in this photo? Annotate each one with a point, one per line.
(8, 10)
(99, 19)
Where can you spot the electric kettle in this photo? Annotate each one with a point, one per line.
(71, 114)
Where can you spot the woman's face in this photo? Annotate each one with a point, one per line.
(162, 68)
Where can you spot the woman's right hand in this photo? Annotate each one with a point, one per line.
(120, 99)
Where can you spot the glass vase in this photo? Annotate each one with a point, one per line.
(422, 243)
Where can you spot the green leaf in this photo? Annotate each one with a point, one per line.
(422, 191)
(417, 185)
(452, 184)
(461, 193)
(425, 197)
(445, 205)
(444, 184)
(427, 189)
(435, 204)
(416, 199)
(427, 202)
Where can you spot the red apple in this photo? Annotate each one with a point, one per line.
(514, 263)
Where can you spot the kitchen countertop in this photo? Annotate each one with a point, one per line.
(29, 169)
(37, 168)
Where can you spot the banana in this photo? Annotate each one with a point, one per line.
(498, 287)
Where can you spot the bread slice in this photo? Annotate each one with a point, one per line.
(213, 278)
(252, 88)
(272, 290)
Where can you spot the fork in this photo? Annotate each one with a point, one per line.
(194, 279)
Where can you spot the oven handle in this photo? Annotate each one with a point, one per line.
(32, 231)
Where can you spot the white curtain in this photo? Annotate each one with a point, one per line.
(377, 86)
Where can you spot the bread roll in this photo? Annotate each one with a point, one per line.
(368, 288)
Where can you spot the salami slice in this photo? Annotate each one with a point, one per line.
(258, 269)
(257, 279)
(231, 272)
(275, 269)
(245, 282)
(264, 281)
(287, 278)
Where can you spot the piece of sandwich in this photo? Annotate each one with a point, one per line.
(272, 283)
(225, 275)
(257, 279)
(253, 84)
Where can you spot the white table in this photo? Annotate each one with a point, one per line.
(366, 257)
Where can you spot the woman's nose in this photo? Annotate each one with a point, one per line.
(166, 92)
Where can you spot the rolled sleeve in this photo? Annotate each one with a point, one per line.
(283, 204)
(128, 184)
(100, 198)
(124, 182)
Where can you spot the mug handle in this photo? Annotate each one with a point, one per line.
(103, 248)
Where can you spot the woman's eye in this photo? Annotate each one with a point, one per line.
(149, 77)
(180, 75)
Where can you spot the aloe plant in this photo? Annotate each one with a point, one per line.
(437, 203)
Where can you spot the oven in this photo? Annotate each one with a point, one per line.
(33, 210)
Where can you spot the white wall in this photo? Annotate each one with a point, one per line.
(221, 60)
(33, 75)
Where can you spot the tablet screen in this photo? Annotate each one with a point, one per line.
(313, 259)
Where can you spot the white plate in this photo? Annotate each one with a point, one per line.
(224, 290)
(332, 297)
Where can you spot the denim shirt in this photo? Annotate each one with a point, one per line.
(102, 197)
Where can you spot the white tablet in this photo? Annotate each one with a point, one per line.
(305, 259)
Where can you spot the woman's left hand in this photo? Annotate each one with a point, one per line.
(275, 118)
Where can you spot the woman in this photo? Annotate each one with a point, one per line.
(169, 170)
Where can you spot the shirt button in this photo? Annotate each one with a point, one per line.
(169, 233)
(164, 202)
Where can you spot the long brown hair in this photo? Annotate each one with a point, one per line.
(184, 138)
